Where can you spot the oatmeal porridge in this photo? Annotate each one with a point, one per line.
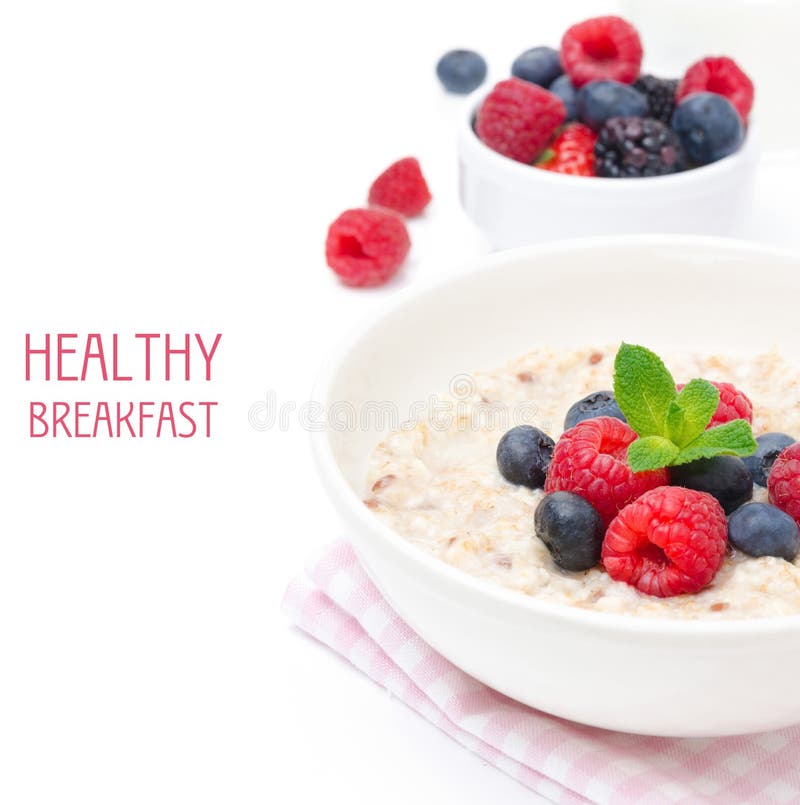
(436, 482)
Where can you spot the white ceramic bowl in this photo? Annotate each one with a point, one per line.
(660, 677)
(516, 204)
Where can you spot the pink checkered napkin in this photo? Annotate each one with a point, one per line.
(565, 762)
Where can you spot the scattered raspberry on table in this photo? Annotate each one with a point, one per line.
(591, 461)
(402, 188)
(669, 542)
(367, 247)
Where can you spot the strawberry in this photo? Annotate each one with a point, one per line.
(571, 152)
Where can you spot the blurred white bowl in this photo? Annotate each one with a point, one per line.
(645, 675)
(515, 204)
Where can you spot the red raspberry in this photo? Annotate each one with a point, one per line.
(402, 188)
(723, 76)
(591, 460)
(366, 247)
(518, 119)
(601, 48)
(784, 482)
(571, 152)
(733, 404)
(669, 542)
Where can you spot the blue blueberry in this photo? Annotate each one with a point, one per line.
(566, 90)
(601, 403)
(724, 477)
(523, 456)
(540, 66)
(599, 101)
(571, 529)
(461, 71)
(770, 446)
(709, 127)
(759, 529)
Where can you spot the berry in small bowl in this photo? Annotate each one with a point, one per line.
(563, 88)
(539, 65)
(599, 101)
(635, 147)
(669, 154)
(602, 48)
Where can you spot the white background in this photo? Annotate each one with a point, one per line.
(173, 167)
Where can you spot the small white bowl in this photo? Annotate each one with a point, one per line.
(644, 675)
(516, 204)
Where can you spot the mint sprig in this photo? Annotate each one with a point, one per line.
(671, 425)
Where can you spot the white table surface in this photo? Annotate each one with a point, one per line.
(172, 167)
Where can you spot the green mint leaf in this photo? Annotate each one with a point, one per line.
(731, 439)
(676, 422)
(644, 388)
(671, 426)
(651, 453)
(689, 414)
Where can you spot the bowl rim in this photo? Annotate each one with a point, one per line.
(473, 148)
(357, 515)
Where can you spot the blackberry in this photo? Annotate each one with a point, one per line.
(660, 94)
(637, 146)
